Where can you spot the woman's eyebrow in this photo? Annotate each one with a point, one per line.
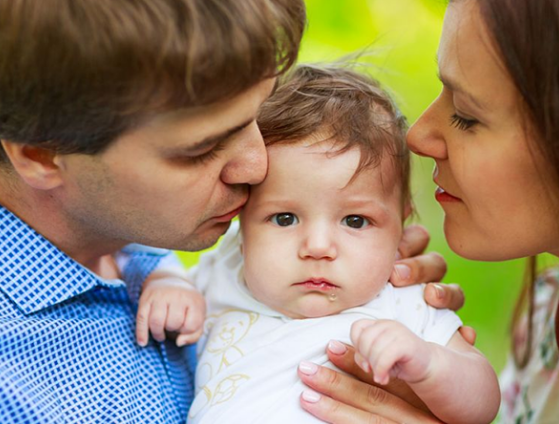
(456, 87)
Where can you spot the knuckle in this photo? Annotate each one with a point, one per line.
(332, 379)
(375, 419)
(376, 396)
(157, 322)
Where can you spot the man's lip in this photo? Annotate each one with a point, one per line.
(229, 215)
(320, 284)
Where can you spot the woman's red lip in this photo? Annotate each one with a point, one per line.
(443, 196)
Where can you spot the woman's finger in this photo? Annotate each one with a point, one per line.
(332, 411)
(469, 334)
(414, 241)
(418, 269)
(444, 296)
(348, 391)
(342, 356)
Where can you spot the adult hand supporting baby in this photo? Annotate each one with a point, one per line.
(344, 399)
(416, 267)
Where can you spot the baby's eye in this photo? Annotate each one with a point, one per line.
(355, 221)
(284, 219)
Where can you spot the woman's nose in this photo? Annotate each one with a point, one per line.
(426, 137)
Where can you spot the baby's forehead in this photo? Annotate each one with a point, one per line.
(323, 146)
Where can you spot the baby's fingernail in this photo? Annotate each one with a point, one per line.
(308, 368)
(439, 291)
(336, 347)
(311, 396)
(365, 366)
(403, 271)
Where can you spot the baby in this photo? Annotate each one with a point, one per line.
(310, 262)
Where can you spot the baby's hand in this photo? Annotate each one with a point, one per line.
(389, 349)
(170, 303)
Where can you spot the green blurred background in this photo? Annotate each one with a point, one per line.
(403, 36)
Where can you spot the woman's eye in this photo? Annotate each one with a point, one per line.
(356, 221)
(462, 123)
(284, 219)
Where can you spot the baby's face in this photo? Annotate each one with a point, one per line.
(313, 244)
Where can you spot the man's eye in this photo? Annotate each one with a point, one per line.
(355, 221)
(284, 219)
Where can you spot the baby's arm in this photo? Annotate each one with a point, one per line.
(170, 303)
(456, 381)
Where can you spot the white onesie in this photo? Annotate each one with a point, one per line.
(249, 353)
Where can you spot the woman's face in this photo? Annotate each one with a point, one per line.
(491, 180)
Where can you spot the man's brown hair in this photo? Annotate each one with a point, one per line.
(76, 74)
(344, 105)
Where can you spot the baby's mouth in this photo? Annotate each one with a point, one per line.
(318, 284)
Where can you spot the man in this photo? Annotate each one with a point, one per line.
(123, 122)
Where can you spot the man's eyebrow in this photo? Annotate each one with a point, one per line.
(211, 141)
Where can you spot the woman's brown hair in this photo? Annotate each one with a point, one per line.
(75, 74)
(526, 36)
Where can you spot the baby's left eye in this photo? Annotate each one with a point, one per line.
(355, 221)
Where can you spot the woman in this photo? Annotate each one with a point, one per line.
(494, 136)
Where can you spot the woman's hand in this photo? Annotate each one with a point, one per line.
(417, 267)
(340, 399)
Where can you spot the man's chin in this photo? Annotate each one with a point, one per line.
(204, 240)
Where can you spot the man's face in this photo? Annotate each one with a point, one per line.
(175, 182)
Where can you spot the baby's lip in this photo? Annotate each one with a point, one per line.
(318, 284)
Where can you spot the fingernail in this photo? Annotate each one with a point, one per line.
(403, 271)
(365, 366)
(308, 368)
(336, 347)
(439, 291)
(311, 396)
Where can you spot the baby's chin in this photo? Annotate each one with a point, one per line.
(319, 307)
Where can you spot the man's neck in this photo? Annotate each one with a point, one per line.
(40, 211)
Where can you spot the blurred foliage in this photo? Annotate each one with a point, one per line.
(399, 38)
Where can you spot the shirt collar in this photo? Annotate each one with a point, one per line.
(34, 273)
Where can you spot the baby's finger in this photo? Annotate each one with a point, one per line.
(142, 327)
(175, 317)
(342, 356)
(157, 320)
(358, 327)
(184, 339)
(193, 321)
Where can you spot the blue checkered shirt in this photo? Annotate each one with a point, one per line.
(67, 347)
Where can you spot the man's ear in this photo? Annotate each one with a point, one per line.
(36, 166)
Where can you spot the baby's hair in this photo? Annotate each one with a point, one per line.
(341, 104)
